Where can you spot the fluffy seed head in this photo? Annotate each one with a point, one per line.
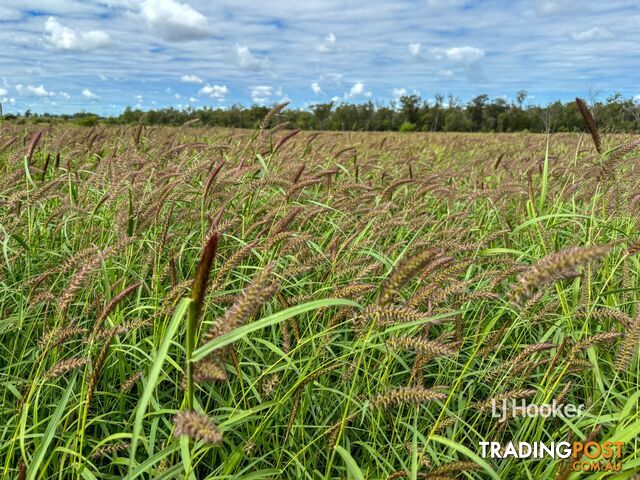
(196, 426)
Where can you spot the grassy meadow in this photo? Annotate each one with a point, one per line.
(204, 303)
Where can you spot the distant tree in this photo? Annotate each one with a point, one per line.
(520, 97)
(410, 108)
(407, 127)
(322, 111)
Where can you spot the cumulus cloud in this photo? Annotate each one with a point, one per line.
(357, 90)
(248, 60)
(399, 92)
(592, 34)
(65, 38)
(553, 7)
(329, 44)
(191, 79)
(174, 21)
(32, 90)
(464, 55)
(315, 86)
(86, 93)
(219, 92)
(261, 94)
(414, 49)
(3, 91)
(266, 94)
(193, 99)
(64, 95)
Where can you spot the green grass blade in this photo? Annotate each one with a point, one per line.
(52, 426)
(274, 319)
(468, 453)
(352, 467)
(154, 374)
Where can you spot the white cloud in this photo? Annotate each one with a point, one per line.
(248, 60)
(177, 96)
(445, 4)
(553, 7)
(261, 95)
(218, 92)
(9, 14)
(446, 73)
(64, 38)
(315, 86)
(193, 99)
(191, 79)
(64, 95)
(399, 92)
(86, 93)
(332, 77)
(357, 90)
(414, 49)
(595, 33)
(329, 44)
(464, 55)
(174, 21)
(3, 92)
(9, 100)
(38, 91)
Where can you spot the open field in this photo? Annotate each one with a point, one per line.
(347, 304)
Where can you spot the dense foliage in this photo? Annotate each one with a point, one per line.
(409, 113)
(215, 304)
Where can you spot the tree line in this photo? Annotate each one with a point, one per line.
(408, 113)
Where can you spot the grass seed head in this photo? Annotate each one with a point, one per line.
(196, 426)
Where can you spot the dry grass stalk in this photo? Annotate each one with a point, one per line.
(591, 340)
(402, 273)
(201, 278)
(606, 313)
(422, 456)
(196, 426)
(554, 266)
(486, 405)
(516, 364)
(128, 384)
(109, 449)
(57, 337)
(111, 305)
(628, 347)
(261, 289)
(388, 315)
(590, 123)
(432, 348)
(406, 396)
(65, 366)
(458, 466)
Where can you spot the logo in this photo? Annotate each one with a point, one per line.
(505, 410)
(586, 456)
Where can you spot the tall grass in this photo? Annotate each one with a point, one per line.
(203, 303)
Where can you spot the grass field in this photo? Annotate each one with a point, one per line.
(202, 303)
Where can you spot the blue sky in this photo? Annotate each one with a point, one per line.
(101, 56)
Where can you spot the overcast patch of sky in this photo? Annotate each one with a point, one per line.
(309, 51)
